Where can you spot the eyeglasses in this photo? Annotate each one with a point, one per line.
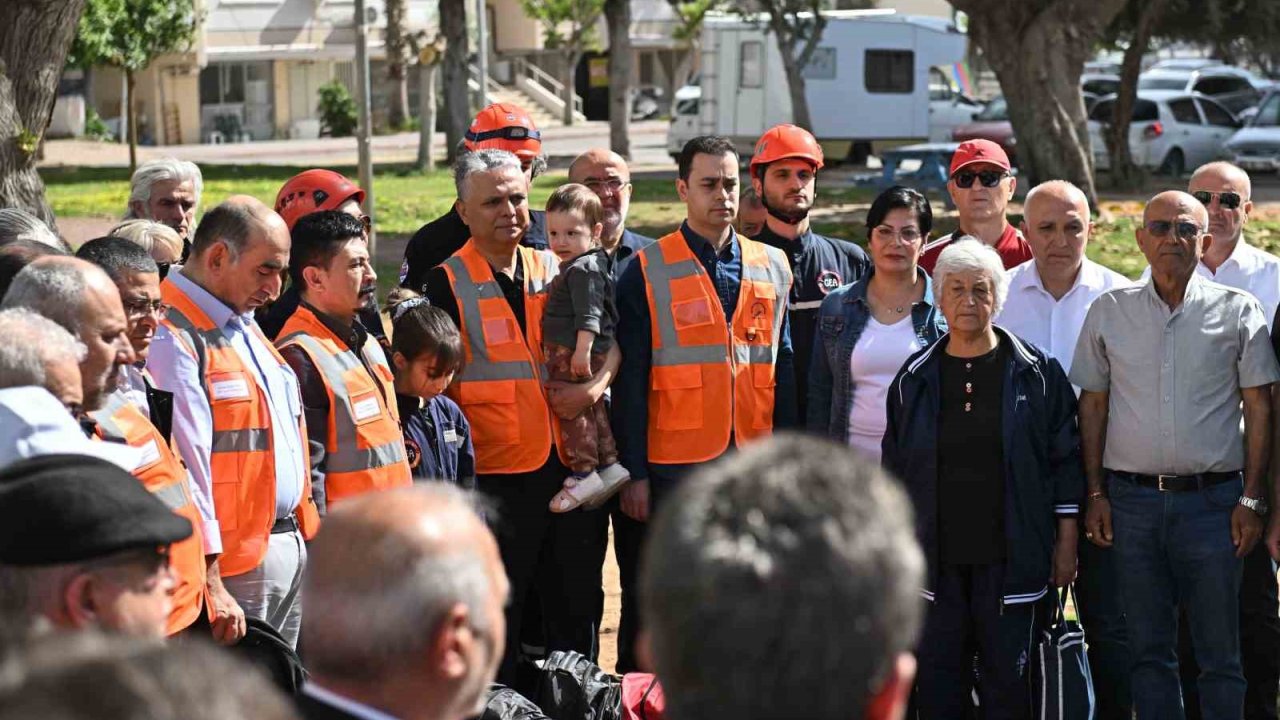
(1228, 200)
(988, 178)
(164, 269)
(367, 222)
(614, 185)
(144, 308)
(906, 234)
(1184, 230)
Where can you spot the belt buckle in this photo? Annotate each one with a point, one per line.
(1160, 482)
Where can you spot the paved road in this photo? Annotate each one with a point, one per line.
(561, 144)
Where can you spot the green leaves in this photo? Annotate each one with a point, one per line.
(567, 24)
(130, 34)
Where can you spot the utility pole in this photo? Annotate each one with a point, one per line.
(482, 54)
(364, 132)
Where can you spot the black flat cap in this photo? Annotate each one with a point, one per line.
(58, 509)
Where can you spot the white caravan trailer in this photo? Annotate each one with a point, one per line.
(868, 83)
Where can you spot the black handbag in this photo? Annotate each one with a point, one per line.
(1062, 687)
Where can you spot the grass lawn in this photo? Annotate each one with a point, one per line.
(407, 199)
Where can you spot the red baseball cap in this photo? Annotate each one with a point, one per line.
(979, 151)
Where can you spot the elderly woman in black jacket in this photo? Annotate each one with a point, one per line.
(982, 430)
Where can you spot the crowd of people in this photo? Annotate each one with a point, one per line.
(839, 482)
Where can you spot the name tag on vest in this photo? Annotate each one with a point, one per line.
(150, 454)
(229, 386)
(451, 436)
(365, 406)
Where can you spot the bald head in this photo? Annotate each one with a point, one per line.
(1225, 192)
(1221, 175)
(82, 298)
(1056, 224)
(391, 579)
(606, 174)
(1175, 201)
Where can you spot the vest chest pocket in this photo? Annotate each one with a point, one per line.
(764, 380)
(490, 406)
(694, 312)
(758, 313)
(677, 397)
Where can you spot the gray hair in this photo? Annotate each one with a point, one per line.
(18, 224)
(968, 254)
(161, 170)
(29, 342)
(481, 161)
(147, 234)
(362, 623)
(54, 290)
(781, 582)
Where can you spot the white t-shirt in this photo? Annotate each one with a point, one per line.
(877, 357)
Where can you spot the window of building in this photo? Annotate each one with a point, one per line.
(890, 71)
(751, 64)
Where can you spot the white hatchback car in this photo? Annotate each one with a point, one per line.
(1169, 131)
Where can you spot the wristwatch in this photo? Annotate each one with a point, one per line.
(1258, 505)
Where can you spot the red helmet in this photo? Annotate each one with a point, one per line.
(313, 190)
(504, 126)
(781, 142)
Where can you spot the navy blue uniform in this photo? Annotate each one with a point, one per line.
(819, 264)
(437, 440)
(439, 239)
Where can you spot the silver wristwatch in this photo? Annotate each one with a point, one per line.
(1258, 505)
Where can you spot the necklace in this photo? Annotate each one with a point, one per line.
(885, 304)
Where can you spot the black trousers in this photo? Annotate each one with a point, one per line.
(562, 553)
(1259, 641)
(628, 542)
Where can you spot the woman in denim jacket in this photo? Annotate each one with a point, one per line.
(867, 329)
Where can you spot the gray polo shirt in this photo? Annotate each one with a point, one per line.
(1174, 377)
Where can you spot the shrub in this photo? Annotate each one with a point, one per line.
(337, 110)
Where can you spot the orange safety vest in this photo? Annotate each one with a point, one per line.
(364, 449)
(500, 387)
(162, 473)
(710, 378)
(242, 462)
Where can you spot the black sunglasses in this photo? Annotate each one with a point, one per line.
(1228, 200)
(164, 269)
(988, 178)
(1185, 230)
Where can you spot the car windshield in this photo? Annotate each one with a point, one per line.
(1143, 111)
(1161, 83)
(1269, 114)
(995, 111)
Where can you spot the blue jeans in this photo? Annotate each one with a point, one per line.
(1097, 593)
(1171, 547)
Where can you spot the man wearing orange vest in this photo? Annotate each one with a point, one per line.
(347, 387)
(702, 325)
(141, 416)
(495, 290)
(237, 411)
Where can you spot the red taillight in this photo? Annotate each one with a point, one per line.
(1152, 131)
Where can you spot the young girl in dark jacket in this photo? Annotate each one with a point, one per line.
(426, 351)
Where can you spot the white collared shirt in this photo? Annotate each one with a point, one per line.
(347, 705)
(1032, 314)
(1252, 270)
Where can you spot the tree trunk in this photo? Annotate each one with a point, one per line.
(618, 16)
(132, 108)
(397, 63)
(1125, 175)
(793, 64)
(427, 115)
(1038, 52)
(567, 92)
(35, 36)
(453, 23)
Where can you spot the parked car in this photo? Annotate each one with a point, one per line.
(1169, 132)
(1192, 63)
(948, 107)
(1236, 89)
(1095, 86)
(991, 123)
(1256, 146)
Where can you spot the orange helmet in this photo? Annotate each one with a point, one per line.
(504, 126)
(786, 141)
(314, 190)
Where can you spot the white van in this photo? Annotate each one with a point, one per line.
(868, 84)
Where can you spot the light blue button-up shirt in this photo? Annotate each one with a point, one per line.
(175, 371)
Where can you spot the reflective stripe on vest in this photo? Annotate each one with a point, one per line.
(166, 478)
(241, 460)
(711, 376)
(364, 447)
(500, 388)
